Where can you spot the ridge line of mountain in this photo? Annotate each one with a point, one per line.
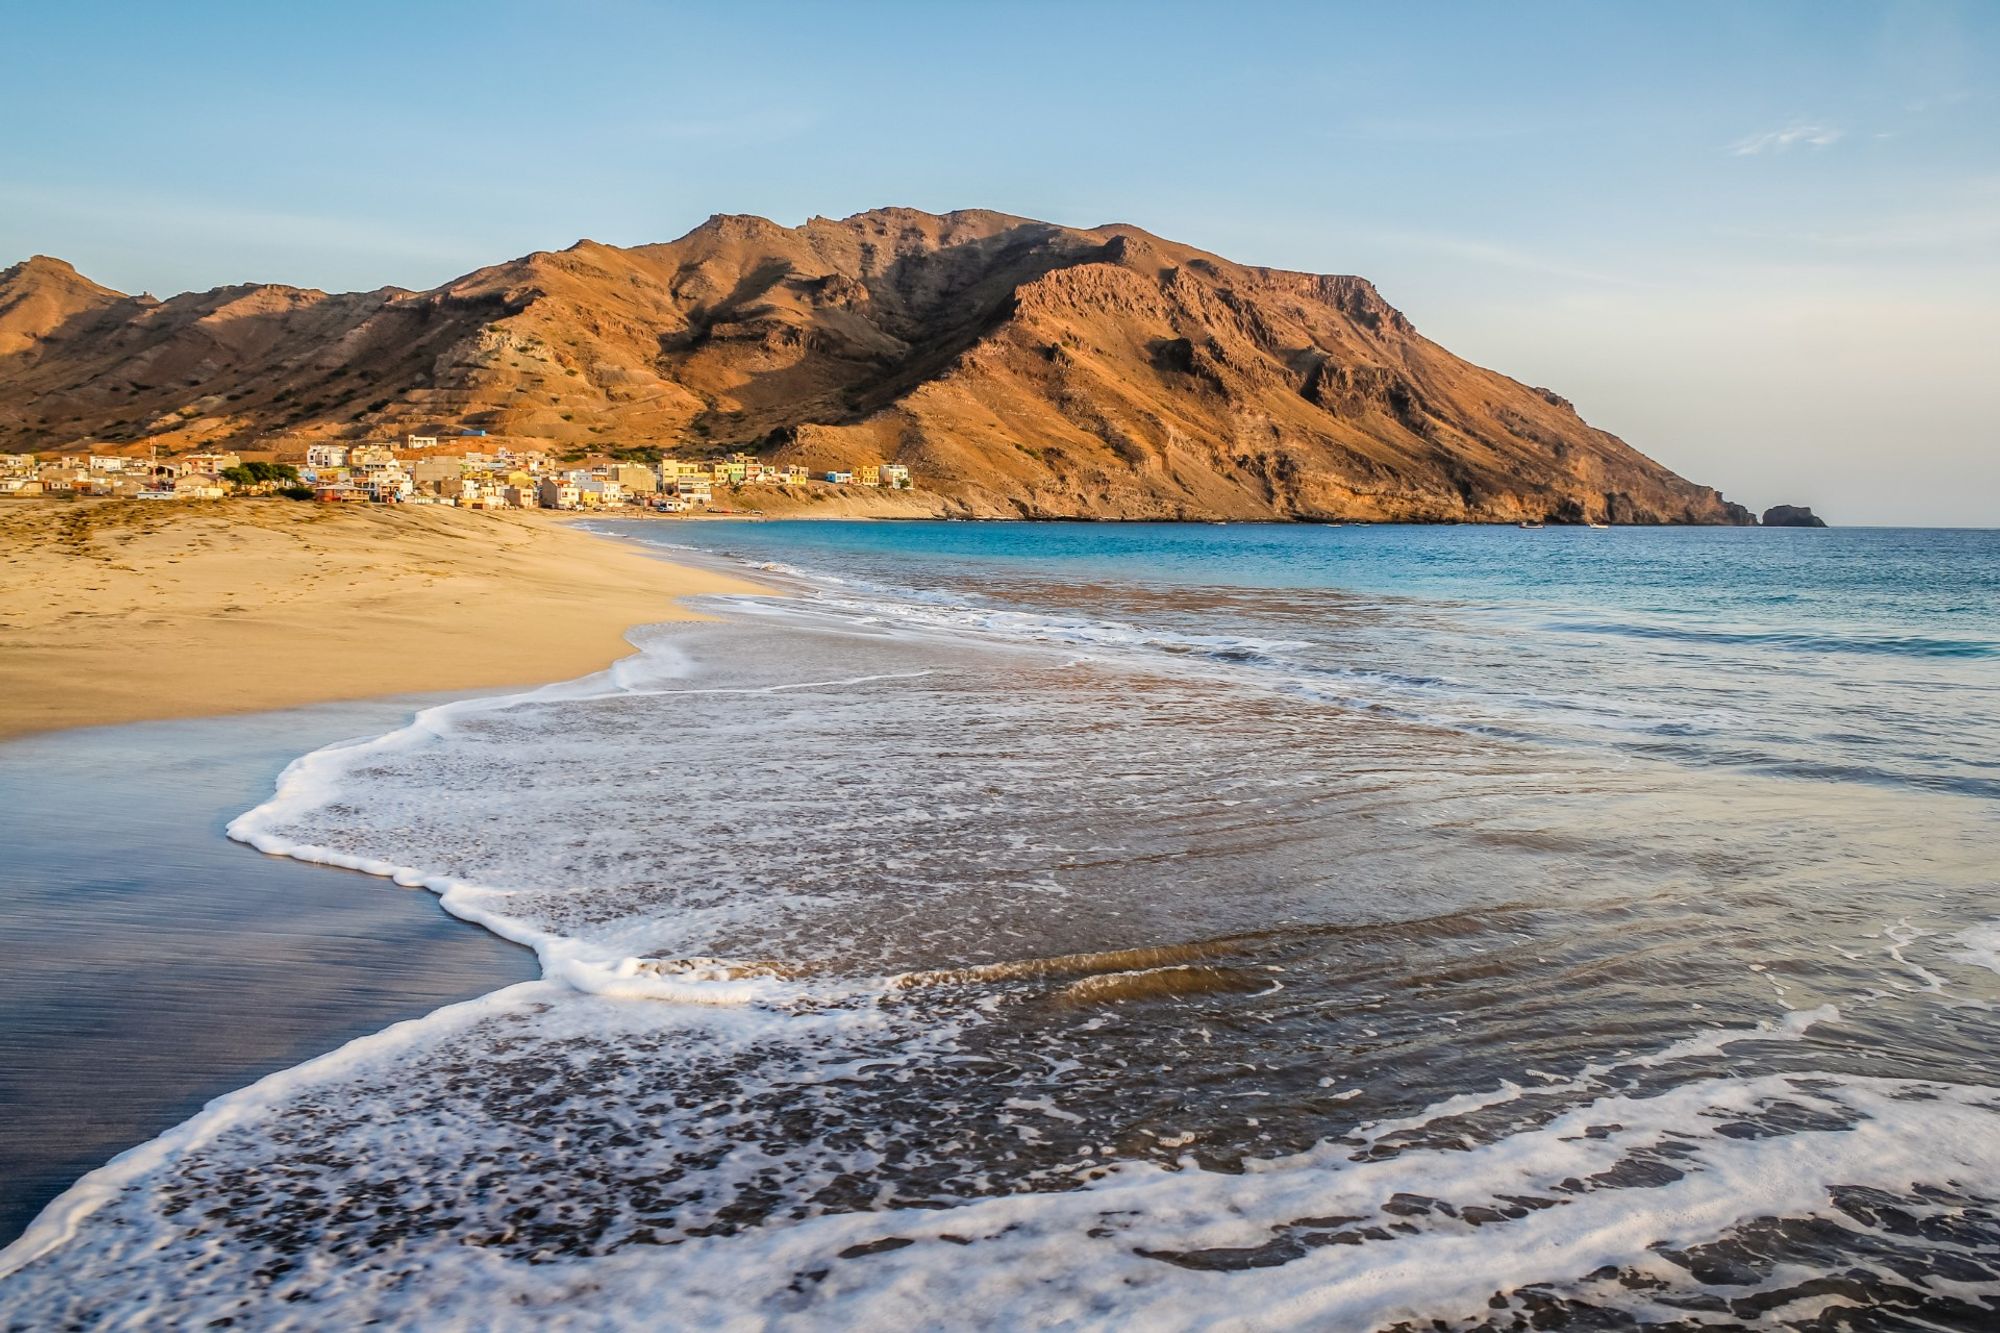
(1019, 368)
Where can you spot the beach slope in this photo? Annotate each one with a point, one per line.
(122, 611)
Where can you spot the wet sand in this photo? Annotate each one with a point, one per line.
(148, 964)
(128, 610)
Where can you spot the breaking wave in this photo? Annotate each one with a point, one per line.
(911, 962)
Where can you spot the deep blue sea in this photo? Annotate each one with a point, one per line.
(1158, 926)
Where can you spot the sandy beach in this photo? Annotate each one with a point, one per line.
(124, 611)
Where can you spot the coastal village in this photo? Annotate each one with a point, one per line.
(459, 471)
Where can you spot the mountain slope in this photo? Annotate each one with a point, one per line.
(40, 295)
(1018, 367)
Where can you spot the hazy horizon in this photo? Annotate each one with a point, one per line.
(1762, 246)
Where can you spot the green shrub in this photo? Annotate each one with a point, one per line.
(258, 472)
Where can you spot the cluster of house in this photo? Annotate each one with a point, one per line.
(417, 474)
(186, 477)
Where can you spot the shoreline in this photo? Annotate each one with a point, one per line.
(215, 917)
(125, 611)
(121, 1230)
(237, 919)
(177, 924)
(1119, 520)
(45, 1193)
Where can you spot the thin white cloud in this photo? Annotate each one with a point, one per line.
(1490, 254)
(1961, 224)
(1408, 129)
(1950, 98)
(1798, 134)
(768, 125)
(176, 216)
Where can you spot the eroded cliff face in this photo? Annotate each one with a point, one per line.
(1018, 368)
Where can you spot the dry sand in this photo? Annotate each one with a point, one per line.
(127, 610)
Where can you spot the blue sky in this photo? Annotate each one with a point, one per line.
(1759, 241)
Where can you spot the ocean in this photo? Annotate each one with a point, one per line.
(1165, 926)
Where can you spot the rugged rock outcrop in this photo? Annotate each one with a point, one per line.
(1019, 368)
(1792, 516)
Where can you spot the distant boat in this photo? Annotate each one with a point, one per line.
(1600, 525)
(1532, 523)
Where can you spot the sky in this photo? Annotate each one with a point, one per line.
(1760, 242)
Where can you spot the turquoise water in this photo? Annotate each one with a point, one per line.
(1890, 589)
(1866, 655)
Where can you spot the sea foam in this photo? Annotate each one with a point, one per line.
(877, 992)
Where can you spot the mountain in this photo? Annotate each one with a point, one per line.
(42, 295)
(1017, 367)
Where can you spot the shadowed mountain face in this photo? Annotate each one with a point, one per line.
(1017, 367)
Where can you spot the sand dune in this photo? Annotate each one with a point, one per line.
(120, 611)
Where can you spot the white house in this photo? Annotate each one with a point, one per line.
(389, 485)
(594, 491)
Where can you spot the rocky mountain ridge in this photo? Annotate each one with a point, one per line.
(1019, 368)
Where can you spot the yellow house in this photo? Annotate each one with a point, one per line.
(634, 479)
(197, 486)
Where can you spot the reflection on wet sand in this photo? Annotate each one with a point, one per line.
(151, 964)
